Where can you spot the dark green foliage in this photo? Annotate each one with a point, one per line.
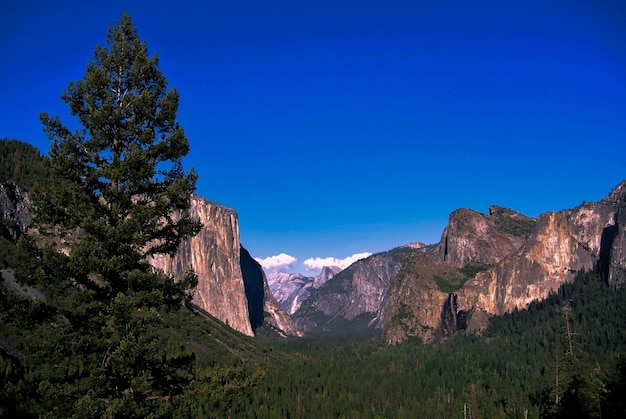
(118, 194)
(22, 164)
(614, 377)
(512, 222)
(471, 269)
(127, 191)
(52, 363)
(450, 282)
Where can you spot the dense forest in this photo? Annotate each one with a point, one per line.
(518, 368)
(22, 164)
(89, 329)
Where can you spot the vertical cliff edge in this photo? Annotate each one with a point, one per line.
(214, 255)
(231, 284)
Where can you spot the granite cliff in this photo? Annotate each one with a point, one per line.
(214, 255)
(588, 237)
(474, 237)
(262, 305)
(519, 261)
(231, 285)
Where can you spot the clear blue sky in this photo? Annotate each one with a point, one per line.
(337, 127)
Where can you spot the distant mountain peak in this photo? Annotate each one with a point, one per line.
(292, 289)
(415, 245)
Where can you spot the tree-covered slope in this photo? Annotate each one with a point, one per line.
(22, 164)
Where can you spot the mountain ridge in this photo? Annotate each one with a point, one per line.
(484, 264)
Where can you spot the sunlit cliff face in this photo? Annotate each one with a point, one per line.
(214, 255)
(591, 236)
(561, 244)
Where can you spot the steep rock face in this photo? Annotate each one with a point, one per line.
(262, 305)
(359, 290)
(15, 206)
(253, 281)
(560, 244)
(484, 265)
(590, 236)
(617, 255)
(214, 254)
(474, 237)
(291, 290)
(415, 301)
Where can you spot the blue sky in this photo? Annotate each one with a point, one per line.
(336, 128)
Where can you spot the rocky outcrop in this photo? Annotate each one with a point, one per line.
(214, 255)
(15, 207)
(276, 317)
(415, 298)
(327, 273)
(231, 284)
(290, 290)
(588, 237)
(613, 261)
(474, 237)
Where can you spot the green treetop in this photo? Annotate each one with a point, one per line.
(127, 192)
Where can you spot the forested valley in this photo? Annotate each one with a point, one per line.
(89, 329)
(517, 368)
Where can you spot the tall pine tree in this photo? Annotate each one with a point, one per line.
(123, 196)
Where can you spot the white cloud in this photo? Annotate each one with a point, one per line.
(282, 261)
(319, 263)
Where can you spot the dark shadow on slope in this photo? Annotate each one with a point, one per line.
(606, 243)
(253, 284)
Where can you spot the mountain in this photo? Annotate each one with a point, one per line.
(422, 298)
(484, 265)
(357, 293)
(588, 237)
(214, 255)
(291, 290)
(474, 237)
(220, 263)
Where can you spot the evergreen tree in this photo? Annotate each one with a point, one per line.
(123, 196)
(578, 391)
